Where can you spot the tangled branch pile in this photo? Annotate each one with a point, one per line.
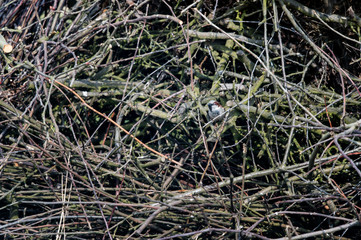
(105, 132)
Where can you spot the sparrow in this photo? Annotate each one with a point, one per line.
(215, 110)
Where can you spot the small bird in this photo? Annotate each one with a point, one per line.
(215, 110)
